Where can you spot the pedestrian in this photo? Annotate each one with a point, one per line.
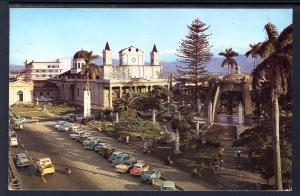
(221, 163)
(239, 171)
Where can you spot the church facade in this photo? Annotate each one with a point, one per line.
(130, 74)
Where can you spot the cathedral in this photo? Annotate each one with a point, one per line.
(130, 74)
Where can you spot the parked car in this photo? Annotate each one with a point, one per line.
(121, 158)
(65, 127)
(19, 124)
(69, 117)
(139, 168)
(21, 160)
(83, 137)
(126, 166)
(100, 145)
(13, 141)
(11, 133)
(92, 144)
(150, 176)
(114, 155)
(45, 166)
(106, 151)
(79, 118)
(76, 134)
(74, 128)
(167, 186)
(88, 140)
(59, 123)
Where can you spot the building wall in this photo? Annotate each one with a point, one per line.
(45, 70)
(25, 87)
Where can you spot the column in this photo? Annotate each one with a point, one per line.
(177, 143)
(151, 87)
(110, 97)
(117, 117)
(153, 116)
(240, 114)
(198, 106)
(210, 113)
(197, 129)
(135, 89)
(121, 91)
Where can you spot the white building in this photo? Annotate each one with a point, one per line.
(20, 92)
(38, 70)
(131, 73)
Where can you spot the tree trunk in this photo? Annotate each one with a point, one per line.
(277, 161)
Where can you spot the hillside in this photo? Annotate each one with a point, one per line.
(214, 65)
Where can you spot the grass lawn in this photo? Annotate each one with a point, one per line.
(109, 128)
(62, 109)
(28, 111)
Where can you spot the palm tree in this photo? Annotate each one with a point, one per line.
(275, 67)
(254, 52)
(229, 60)
(90, 70)
(127, 102)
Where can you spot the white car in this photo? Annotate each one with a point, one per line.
(64, 127)
(88, 140)
(11, 133)
(76, 134)
(59, 123)
(21, 160)
(13, 141)
(74, 128)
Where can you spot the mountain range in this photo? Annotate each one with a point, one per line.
(214, 65)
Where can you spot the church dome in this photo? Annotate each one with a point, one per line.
(81, 54)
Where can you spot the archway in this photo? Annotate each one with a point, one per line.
(20, 96)
(225, 93)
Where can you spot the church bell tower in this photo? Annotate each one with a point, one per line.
(154, 56)
(107, 55)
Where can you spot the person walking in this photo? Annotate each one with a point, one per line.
(238, 163)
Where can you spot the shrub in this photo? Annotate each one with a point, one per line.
(207, 172)
(214, 136)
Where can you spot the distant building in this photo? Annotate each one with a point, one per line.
(20, 92)
(131, 73)
(38, 70)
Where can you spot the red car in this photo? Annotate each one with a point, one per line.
(139, 168)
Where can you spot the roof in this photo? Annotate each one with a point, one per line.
(81, 54)
(44, 84)
(107, 46)
(154, 48)
(168, 184)
(130, 48)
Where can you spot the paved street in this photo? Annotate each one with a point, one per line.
(89, 170)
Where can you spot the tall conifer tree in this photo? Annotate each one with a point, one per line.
(194, 52)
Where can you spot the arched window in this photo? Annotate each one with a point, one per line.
(20, 96)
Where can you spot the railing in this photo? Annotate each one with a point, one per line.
(14, 179)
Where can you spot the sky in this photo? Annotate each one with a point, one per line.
(49, 33)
